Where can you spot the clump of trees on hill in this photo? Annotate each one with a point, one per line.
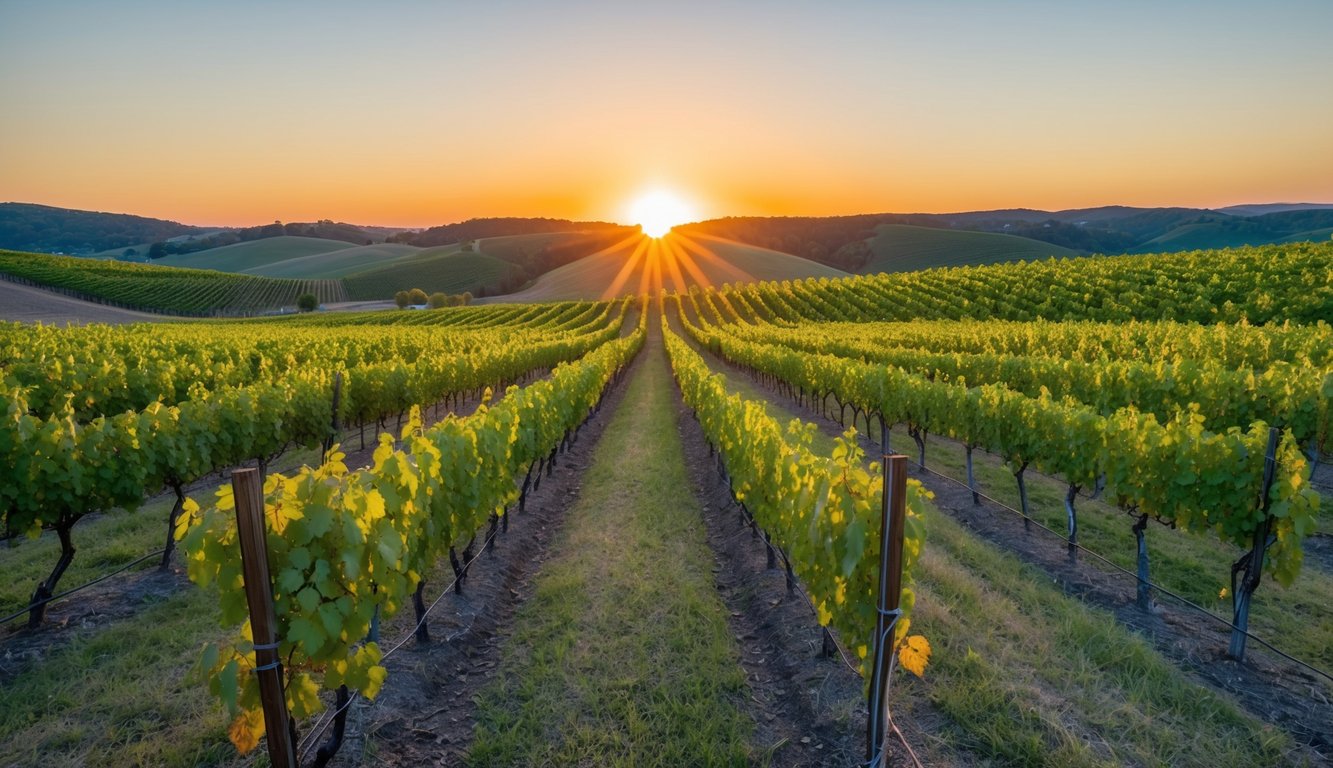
(43, 228)
(472, 229)
(417, 298)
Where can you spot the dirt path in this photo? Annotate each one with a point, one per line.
(623, 654)
(425, 716)
(26, 304)
(568, 583)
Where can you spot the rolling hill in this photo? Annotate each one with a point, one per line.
(156, 288)
(31, 227)
(520, 249)
(339, 262)
(849, 242)
(241, 257)
(674, 262)
(474, 229)
(905, 248)
(1207, 234)
(446, 269)
(1266, 208)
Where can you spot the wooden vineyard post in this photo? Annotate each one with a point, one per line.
(1252, 564)
(249, 492)
(893, 517)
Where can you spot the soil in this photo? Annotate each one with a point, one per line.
(1267, 686)
(98, 607)
(1318, 547)
(425, 714)
(28, 304)
(809, 709)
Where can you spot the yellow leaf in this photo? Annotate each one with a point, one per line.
(303, 696)
(375, 677)
(914, 655)
(246, 729)
(186, 517)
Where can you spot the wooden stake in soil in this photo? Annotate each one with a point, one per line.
(249, 491)
(893, 517)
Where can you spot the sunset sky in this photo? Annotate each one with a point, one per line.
(422, 113)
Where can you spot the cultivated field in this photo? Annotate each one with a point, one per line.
(646, 530)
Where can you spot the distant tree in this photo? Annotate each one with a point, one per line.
(438, 299)
(157, 250)
(416, 296)
(307, 302)
(130, 252)
(402, 299)
(466, 298)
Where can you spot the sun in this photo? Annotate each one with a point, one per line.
(658, 211)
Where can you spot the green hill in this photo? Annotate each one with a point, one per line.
(251, 254)
(519, 249)
(1205, 235)
(1313, 236)
(1215, 231)
(445, 268)
(337, 263)
(905, 248)
(30, 227)
(675, 263)
(156, 288)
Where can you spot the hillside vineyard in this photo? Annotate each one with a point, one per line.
(1192, 389)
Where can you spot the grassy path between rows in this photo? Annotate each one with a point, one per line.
(1026, 675)
(623, 656)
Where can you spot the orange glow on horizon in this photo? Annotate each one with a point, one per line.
(658, 211)
(672, 262)
(898, 108)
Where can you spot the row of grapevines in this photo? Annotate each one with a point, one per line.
(1176, 471)
(343, 544)
(1260, 284)
(1231, 345)
(1291, 396)
(60, 469)
(105, 369)
(822, 510)
(156, 288)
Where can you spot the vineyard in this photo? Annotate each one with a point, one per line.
(369, 508)
(170, 290)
